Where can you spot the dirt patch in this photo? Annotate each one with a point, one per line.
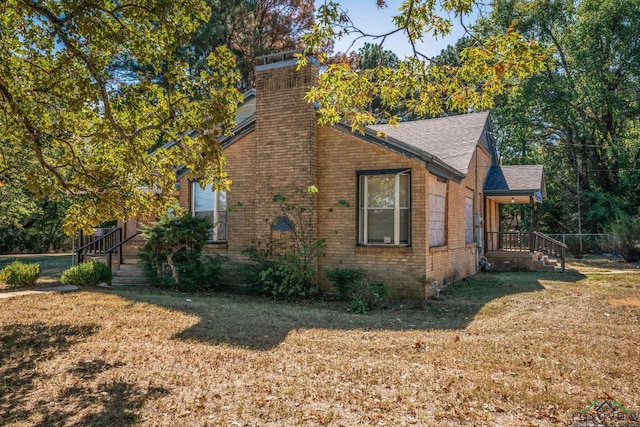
(626, 302)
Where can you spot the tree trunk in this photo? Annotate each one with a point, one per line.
(174, 271)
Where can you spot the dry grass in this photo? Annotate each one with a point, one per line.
(511, 349)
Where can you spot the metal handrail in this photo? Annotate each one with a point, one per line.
(93, 242)
(95, 245)
(110, 251)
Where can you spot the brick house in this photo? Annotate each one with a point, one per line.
(424, 197)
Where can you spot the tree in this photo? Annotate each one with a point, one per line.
(249, 29)
(581, 116)
(74, 126)
(28, 224)
(418, 84)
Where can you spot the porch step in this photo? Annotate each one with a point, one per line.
(514, 260)
(129, 273)
(543, 263)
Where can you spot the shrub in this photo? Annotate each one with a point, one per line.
(286, 279)
(172, 252)
(285, 262)
(344, 280)
(86, 274)
(626, 232)
(367, 296)
(198, 274)
(354, 285)
(20, 274)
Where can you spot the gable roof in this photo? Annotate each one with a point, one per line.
(451, 139)
(516, 181)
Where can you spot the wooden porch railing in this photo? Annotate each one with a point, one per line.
(549, 246)
(526, 242)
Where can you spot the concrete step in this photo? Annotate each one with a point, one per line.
(133, 272)
(130, 281)
(129, 273)
(542, 266)
(127, 267)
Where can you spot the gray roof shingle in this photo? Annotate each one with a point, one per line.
(451, 139)
(521, 179)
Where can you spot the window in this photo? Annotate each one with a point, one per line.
(468, 218)
(384, 213)
(437, 211)
(213, 205)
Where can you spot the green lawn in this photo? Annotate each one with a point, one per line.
(52, 265)
(512, 349)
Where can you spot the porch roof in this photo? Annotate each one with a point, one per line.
(515, 183)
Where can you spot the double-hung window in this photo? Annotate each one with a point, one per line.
(213, 205)
(384, 207)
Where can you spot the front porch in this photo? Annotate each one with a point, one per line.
(524, 251)
(506, 246)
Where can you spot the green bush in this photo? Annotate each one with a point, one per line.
(626, 232)
(86, 274)
(354, 285)
(20, 274)
(172, 254)
(285, 262)
(286, 279)
(344, 280)
(198, 274)
(284, 276)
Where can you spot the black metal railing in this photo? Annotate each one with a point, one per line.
(98, 243)
(107, 244)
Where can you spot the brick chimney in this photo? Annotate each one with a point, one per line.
(286, 152)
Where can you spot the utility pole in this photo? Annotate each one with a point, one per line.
(579, 213)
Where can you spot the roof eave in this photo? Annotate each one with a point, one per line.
(242, 129)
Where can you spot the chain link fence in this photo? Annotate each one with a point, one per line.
(588, 243)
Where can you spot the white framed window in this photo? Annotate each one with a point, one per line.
(469, 236)
(437, 211)
(213, 205)
(384, 213)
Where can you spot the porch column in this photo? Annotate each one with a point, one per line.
(531, 223)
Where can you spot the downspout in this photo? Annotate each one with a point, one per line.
(476, 197)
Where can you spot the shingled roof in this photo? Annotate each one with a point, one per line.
(451, 139)
(516, 181)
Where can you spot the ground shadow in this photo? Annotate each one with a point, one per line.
(25, 346)
(260, 324)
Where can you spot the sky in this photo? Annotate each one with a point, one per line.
(369, 18)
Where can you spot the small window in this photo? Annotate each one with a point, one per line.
(213, 205)
(384, 208)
